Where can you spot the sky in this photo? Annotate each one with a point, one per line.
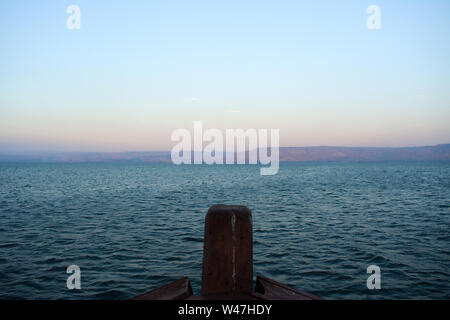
(137, 70)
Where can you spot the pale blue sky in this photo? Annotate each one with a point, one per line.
(137, 70)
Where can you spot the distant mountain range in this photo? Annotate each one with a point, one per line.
(351, 154)
(429, 153)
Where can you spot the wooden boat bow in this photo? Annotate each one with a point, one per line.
(227, 264)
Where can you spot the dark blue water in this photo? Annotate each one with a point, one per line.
(133, 227)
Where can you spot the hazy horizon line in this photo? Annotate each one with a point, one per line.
(169, 150)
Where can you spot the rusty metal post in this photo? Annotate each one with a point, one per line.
(228, 251)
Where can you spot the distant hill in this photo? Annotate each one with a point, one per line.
(151, 156)
(437, 153)
(428, 153)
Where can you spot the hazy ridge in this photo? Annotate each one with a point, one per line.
(426, 153)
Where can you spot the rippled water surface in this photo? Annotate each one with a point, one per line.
(133, 227)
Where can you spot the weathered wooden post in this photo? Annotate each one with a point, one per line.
(228, 264)
(227, 251)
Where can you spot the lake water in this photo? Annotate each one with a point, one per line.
(133, 227)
